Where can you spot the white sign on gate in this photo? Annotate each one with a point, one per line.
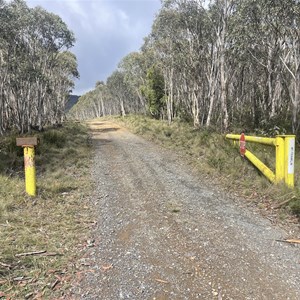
(291, 156)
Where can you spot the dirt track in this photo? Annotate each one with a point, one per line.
(164, 233)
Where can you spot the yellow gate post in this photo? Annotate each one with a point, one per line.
(29, 164)
(279, 165)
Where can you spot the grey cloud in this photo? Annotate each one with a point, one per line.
(105, 31)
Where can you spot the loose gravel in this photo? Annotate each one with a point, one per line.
(163, 232)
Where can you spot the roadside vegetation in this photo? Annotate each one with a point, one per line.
(55, 224)
(219, 160)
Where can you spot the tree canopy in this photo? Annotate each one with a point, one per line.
(36, 68)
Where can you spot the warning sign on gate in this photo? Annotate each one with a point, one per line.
(242, 145)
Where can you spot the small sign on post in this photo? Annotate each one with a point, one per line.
(28, 144)
(242, 145)
(289, 141)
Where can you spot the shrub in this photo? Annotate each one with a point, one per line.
(54, 137)
(295, 207)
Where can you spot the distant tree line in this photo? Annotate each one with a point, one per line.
(36, 70)
(229, 63)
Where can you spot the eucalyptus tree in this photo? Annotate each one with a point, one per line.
(220, 15)
(191, 45)
(34, 78)
(87, 107)
(290, 16)
(266, 36)
(96, 103)
(177, 40)
(62, 80)
(133, 66)
(50, 36)
(102, 100)
(163, 41)
(121, 92)
(13, 62)
(259, 45)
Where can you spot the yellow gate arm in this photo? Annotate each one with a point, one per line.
(255, 139)
(261, 166)
(285, 156)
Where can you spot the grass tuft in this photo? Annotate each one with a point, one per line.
(295, 207)
(54, 138)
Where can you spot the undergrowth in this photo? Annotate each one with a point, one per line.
(218, 158)
(56, 221)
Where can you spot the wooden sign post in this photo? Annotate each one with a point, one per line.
(28, 144)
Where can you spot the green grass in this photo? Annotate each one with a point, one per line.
(56, 220)
(216, 157)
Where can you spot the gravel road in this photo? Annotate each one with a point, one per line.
(164, 232)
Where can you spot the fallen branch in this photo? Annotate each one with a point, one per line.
(27, 296)
(5, 265)
(284, 202)
(52, 254)
(295, 241)
(160, 280)
(31, 253)
(290, 241)
(21, 278)
(106, 268)
(57, 281)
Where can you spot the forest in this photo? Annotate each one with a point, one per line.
(36, 68)
(226, 64)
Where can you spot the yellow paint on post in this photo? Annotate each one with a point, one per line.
(30, 173)
(260, 165)
(279, 143)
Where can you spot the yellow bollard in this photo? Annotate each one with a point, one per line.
(30, 173)
(28, 144)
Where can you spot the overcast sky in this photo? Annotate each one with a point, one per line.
(105, 31)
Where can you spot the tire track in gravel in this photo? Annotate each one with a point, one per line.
(165, 233)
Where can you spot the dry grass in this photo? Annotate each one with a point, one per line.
(217, 157)
(56, 221)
